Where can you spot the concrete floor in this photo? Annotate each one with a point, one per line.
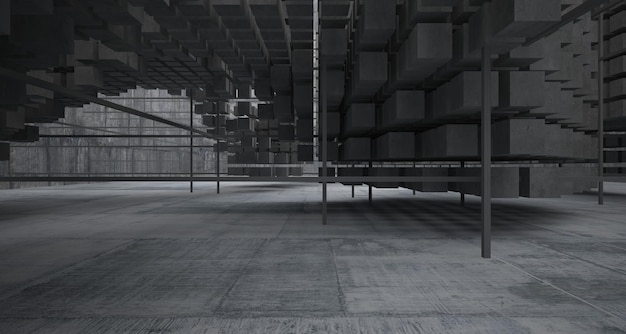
(152, 258)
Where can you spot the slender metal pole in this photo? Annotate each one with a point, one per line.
(324, 139)
(370, 186)
(461, 188)
(414, 174)
(190, 140)
(486, 154)
(601, 109)
(353, 184)
(217, 148)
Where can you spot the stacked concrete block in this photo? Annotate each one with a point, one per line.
(403, 108)
(424, 186)
(520, 138)
(360, 119)
(356, 149)
(368, 75)
(462, 96)
(377, 22)
(428, 46)
(543, 94)
(385, 172)
(395, 146)
(504, 181)
(448, 142)
(352, 171)
(521, 90)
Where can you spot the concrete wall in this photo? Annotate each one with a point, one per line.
(113, 156)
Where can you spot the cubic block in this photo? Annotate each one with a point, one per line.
(305, 153)
(355, 149)
(369, 74)
(519, 137)
(395, 146)
(404, 107)
(451, 141)
(360, 119)
(426, 186)
(522, 90)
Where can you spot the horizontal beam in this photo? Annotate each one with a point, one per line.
(305, 179)
(111, 146)
(312, 179)
(121, 136)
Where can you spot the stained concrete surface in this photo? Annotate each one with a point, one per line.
(153, 258)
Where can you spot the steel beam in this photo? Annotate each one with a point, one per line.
(306, 179)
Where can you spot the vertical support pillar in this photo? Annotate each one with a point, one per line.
(217, 147)
(353, 184)
(324, 122)
(370, 186)
(461, 190)
(414, 171)
(485, 130)
(601, 109)
(190, 140)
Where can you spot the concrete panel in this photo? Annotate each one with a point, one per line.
(281, 78)
(360, 119)
(334, 48)
(305, 153)
(304, 130)
(505, 182)
(452, 141)
(464, 93)
(355, 149)
(426, 186)
(302, 64)
(384, 172)
(522, 90)
(303, 100)
(377, 23)
(5, 151)
(403, 108)
(266, 111)
(524, 18)
(539, 182)
(369, 74)
(395, 146)
(352, 172)
(515, 137)
(335, 87)
(283, 108)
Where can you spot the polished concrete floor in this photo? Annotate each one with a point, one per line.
(153, 258)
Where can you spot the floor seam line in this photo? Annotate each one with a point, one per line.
(57, 273)
(243, 271)
(562, 290)
(341, 296)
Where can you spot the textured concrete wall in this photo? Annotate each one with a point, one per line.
(114, 156)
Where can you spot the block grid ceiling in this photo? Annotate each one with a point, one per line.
(402, 79)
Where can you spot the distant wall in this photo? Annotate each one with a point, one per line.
(113, 156)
